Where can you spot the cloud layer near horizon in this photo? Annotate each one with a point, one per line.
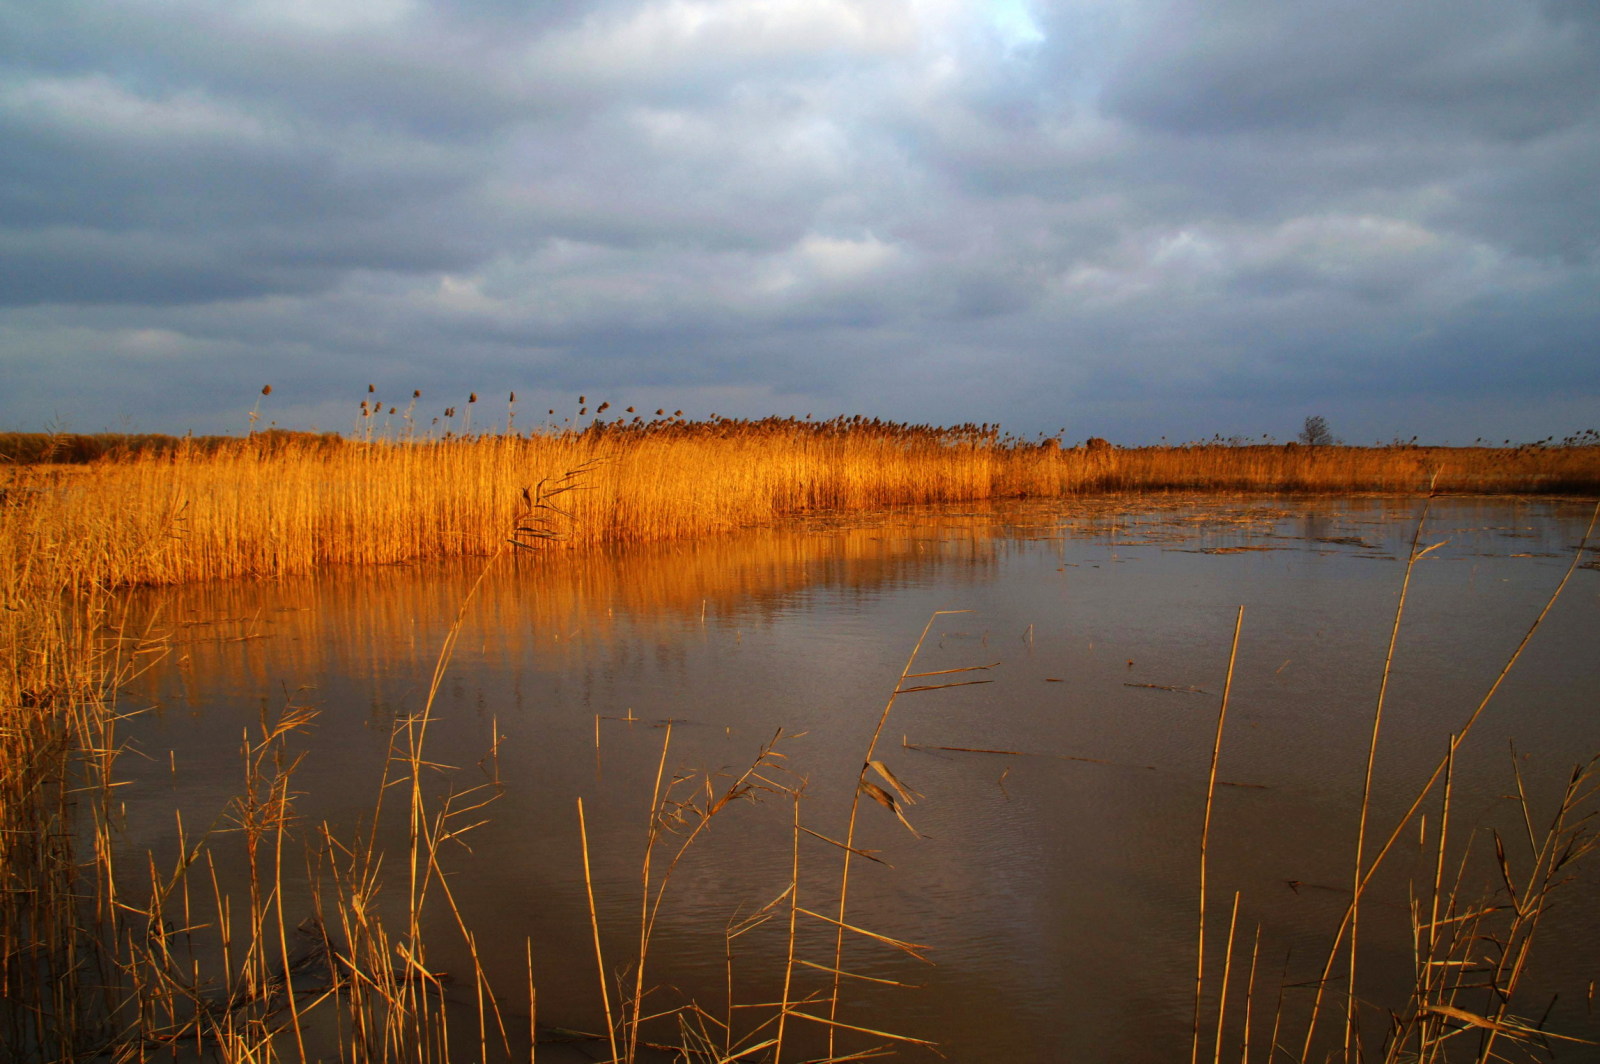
(1128, 218)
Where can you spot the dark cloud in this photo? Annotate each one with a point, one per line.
(1481, 67)
(1135, 219)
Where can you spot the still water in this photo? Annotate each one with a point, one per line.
(1054, 870)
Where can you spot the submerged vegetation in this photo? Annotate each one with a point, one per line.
(108, 956)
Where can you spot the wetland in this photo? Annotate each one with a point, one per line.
(1041, 838)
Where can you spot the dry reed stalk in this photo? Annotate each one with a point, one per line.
(1205, 837)
(267, 506)
(707, 798)
(1567, 839)
(164, 989)
(645, 914)
(862, 785)
(1459, 736)
(1431, 971)
(533, 1012)
(1249, 997)
(1227, 971)
(1482, 957)
(1412, 557)
(61, 662)
(594, 925)
(274, 504)
(785, 1003)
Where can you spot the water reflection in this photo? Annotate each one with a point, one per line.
(1057, 882)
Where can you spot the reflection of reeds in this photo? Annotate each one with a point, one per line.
(91, 970)
(50, 692)
(91, 967)
(277, 503)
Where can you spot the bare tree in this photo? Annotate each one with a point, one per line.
(1316, 433)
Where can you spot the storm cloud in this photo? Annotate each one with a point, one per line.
(1125, 218)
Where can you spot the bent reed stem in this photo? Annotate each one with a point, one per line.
(194, 506)
(1439, 770)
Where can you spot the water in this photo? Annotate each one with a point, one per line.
(1057, 883)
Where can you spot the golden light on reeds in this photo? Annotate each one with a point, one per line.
(155, 512)
(282, 502)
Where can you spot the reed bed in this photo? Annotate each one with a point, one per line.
(101, 960)
(260, 508)
(1336, 469)
(105, 955)
(276, 503)
(53, 712)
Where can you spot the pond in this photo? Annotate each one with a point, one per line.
(1050, 862)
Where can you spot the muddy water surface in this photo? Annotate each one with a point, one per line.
(1053, 878)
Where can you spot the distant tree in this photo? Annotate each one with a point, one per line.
(1316, 433)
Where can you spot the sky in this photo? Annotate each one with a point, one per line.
(1135, 219)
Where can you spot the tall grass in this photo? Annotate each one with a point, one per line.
(96, 966)
(105, 960)
(1400, 468)
(53, 682)
(277, 503)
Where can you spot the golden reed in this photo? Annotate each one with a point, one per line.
(87, 966)
(277, 503)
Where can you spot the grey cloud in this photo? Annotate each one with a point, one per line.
(1156, 215)
(1496, 70)
(452, 74)
(1544, 202)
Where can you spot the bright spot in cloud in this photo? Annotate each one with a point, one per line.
(845, 260)
(1013, 20)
